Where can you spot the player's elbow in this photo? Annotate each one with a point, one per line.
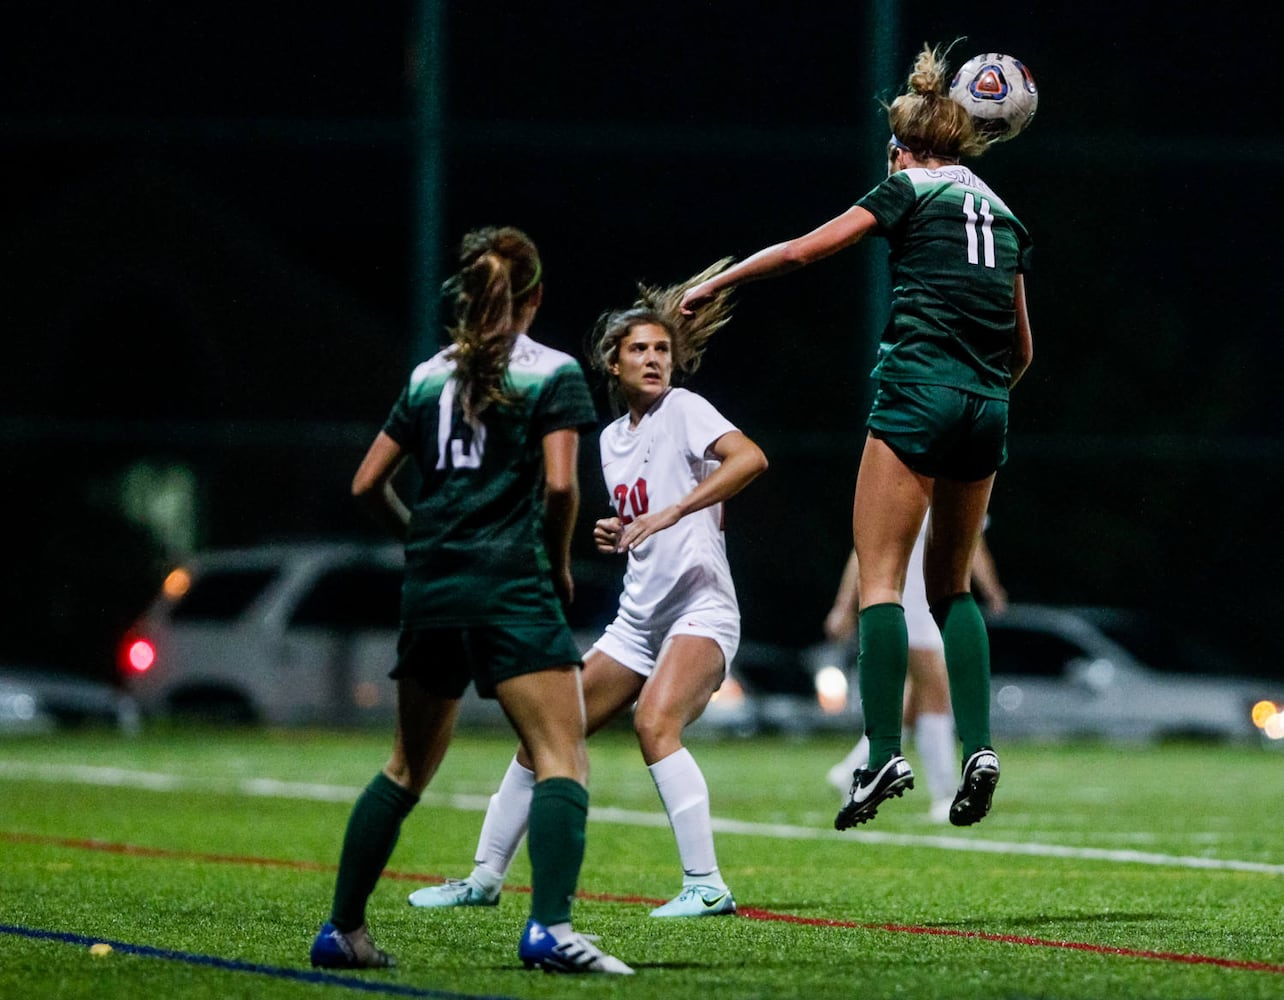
(797, 253)
(752, 461)
(560, 493)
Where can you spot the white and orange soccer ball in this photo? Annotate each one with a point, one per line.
(999, 93)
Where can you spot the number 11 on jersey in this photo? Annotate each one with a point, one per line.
(986, 219)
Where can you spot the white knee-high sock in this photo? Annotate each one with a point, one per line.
(937, 749)
(685, 795)
(858, 756)
(505, 824)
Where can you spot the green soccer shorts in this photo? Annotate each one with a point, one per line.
(941, 431)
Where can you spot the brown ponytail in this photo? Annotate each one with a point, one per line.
(499, 271)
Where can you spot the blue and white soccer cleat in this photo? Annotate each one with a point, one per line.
(976, 790)
(454, 892)
(698, 901)
(871, 788)
(333, 949)
(539, 950)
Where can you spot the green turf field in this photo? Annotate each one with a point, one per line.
(206, 858)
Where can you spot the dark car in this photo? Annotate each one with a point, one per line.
(38, 700)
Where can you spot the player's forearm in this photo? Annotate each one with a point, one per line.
(780, 258)
(387, 510)
(561, 506)
(847, 600)
(1023, 340)
(741, 467)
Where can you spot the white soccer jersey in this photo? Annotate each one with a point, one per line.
(682, 569)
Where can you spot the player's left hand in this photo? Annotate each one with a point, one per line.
(642, 528)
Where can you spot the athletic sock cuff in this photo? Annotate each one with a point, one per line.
(679, 761)
(941, 609)
(881, 609)
(402, 800)
(562, 788)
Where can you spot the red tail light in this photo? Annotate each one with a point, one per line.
(136, 655)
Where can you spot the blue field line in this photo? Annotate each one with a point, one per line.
(233, 965)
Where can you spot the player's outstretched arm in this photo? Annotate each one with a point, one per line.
(781, 258)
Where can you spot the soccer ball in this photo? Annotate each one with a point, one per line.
(998, 92)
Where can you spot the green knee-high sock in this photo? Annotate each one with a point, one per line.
(967, 660)
(372, 833)
(555, 840)
(884, 657)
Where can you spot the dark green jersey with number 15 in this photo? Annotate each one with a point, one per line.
(475, 553)
(956, 250)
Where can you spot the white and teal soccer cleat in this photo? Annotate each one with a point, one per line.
(698, 901)
(539, 950)
(454, 892)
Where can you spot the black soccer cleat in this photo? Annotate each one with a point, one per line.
(871, 788)
(976, 790)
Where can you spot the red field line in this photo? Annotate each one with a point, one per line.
(1032, 942)
(747, 912)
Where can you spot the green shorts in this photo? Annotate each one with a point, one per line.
(445, 659)
(941, 431)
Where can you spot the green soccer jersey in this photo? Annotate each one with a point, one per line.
(955, 252)
(475, 552)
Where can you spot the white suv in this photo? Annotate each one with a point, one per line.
(287, 634)
(305, 633)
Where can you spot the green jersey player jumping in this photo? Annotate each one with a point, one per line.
(958, 340)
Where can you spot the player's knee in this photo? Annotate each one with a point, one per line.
(658, 735)
(567, 762)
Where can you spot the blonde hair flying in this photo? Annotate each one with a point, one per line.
(661, 306)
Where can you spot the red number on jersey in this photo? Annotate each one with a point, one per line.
(631, 498)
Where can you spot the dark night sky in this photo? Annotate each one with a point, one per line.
(242, 174)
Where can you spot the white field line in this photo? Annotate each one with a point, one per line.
(272, 788)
